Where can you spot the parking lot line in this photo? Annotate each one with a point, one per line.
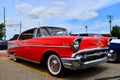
(30, 68)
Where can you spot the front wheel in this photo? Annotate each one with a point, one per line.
(55, 66)
(13, 57)
(115, 57)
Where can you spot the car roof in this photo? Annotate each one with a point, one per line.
(44, 27)
(51, 27)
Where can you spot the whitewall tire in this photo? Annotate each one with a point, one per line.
(115, 57)
(54, 65)
(13, 57)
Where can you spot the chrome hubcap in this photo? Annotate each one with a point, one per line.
(13, 57)
(54, 64)
(113, 57)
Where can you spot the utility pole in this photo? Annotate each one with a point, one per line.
(86, 27)
(20, 27)
(4, 29)
(110, 21)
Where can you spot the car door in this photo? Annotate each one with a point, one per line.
(24, 43)
(32, 50)
(20, 50)
(29, 45)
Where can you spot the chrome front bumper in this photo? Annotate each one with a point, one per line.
(86, 58)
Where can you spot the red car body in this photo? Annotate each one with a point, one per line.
(103, 39)
(73, 52)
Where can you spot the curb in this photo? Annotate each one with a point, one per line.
(3, 53)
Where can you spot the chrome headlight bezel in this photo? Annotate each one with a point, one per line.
(76, 45)
(110, 39)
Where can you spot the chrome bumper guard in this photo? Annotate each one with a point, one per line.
(86, 58)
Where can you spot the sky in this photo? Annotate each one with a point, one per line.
(73, 15)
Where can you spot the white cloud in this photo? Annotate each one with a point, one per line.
(79, 29)
(86, 15)
(23, 8)
(1, 21)
(117, 20)
(57, 12)
(100, 24)
(102, 32)
(53, 10)
(104, 24)
(87, 9)
(79, 9)
(10, 22)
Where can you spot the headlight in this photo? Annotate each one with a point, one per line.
(76, 45)
(109, 40)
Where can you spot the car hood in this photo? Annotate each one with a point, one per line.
(85, 42)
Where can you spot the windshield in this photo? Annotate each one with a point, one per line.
(53, 31)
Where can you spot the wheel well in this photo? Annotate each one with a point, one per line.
(43, 61)
(11, 52)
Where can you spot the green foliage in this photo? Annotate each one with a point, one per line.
(1, 30)
(116, 31)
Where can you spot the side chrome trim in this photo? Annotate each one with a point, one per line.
(28, 60)
(47, 46)
(12, 46)
(42, 46)
(89, 50)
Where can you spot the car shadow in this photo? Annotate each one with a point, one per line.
(84, 74)
(70, 74)
(32, 65)
(110, 78)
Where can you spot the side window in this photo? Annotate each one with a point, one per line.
(27, 35)
(38, 33)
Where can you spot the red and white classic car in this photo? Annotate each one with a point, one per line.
(59, 51)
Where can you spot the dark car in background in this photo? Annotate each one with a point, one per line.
(3, 45)
(115, 48)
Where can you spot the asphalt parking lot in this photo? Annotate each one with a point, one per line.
(23, 70)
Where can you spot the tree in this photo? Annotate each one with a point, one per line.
(116, 31)
(1, 30)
